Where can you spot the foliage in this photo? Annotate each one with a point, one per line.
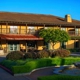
(15, 55)
(32, 53)
(74, 50)
(54, 35)
(60, 53)
(29, 66)
(59, 77)
(22, 66)
(43, 53)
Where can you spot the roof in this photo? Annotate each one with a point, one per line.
(34, 19)
(18, 37)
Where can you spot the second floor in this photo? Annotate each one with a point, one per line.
(20, 29)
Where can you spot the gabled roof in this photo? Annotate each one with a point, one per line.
(34, 18)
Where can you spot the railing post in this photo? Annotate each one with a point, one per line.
(75, 31)
(44, 26)
(26, 28)
(6, 27)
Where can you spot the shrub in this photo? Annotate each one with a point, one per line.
(59, 77)
(43, 53)
(32, 55)
(15, 55)
(61, 53)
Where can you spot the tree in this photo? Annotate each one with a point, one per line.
(54, 35)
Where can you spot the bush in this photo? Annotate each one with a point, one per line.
(61, 53)
(31, 65)
(74, 50)
(43, 53)
(15, 55)
(59, 77)
(22, 66)
(31, 54)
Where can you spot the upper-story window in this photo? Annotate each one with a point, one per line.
(13, 29)
(63, 29)
(46, 27)
(30, 29)
(76, 31)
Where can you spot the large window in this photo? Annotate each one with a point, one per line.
(13, 29)
(31, 29)
(63, 29)
(76, 31)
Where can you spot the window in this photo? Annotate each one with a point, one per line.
(13, 29)
(31, 29)
(63, 29)
(76, 31)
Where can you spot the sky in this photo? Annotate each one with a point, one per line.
(49, 7)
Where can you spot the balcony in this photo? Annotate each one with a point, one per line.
(74, 34)
(18, 31)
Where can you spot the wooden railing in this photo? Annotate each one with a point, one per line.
(30, 31)
(74, 33)
(17, 31)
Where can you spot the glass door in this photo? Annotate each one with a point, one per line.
(13, 46)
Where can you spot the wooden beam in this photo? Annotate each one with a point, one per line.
(60, 27)
(26, 28)
(6, 27)
(1, 29)
(44, 26)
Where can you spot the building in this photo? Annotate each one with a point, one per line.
(18, 31)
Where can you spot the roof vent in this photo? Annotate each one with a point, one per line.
(68, 18)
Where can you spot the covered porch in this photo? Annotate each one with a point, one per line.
(13, 42)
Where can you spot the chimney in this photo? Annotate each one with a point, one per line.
(68, 18)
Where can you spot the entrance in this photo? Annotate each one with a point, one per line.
(13, 46)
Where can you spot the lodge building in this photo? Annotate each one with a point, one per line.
(19, 31)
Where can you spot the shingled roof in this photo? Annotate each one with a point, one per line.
(34, 18)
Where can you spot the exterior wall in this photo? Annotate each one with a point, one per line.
(70, 44)
(40, 45)
(57, 46)
(3, 43)
(39, 27)
(23, 30)
(23, 44)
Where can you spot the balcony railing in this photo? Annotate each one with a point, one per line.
(30, 31)
(74, 33)
(17, 31)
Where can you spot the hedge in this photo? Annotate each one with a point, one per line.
(59, 77)
(24, 66)
(29, 66)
